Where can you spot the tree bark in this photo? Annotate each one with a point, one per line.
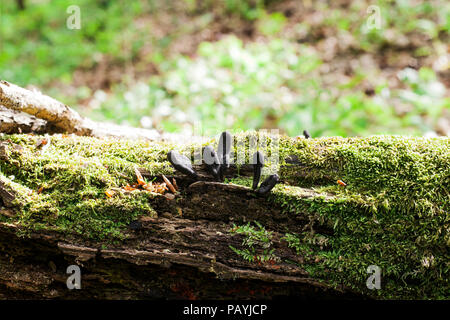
(12, 121)
(21, 4)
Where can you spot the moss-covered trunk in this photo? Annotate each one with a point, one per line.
(69, 200)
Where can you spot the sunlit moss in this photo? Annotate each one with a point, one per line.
(393, 213)
(63, 186)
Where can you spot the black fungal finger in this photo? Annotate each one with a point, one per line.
(268, 184)
(258, 163)
(224, 148)
(220, 173)
(181, 163)
(223, 152)
(306, 134)
(212, 161)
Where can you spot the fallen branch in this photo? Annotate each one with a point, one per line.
(58, 116)
(12, 121)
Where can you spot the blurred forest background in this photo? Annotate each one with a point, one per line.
(238, 64)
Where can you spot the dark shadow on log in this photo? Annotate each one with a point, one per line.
(36, 269)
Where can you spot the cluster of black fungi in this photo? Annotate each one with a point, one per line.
(218, 163)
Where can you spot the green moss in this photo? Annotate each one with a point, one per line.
(393, 213)
(74, 173)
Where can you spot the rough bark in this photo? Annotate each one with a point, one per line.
(12, 121)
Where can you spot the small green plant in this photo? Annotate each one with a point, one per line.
(254, 239)
(293, 242)
(271, 24)
(260, 236)
(250, 255)
(303, 243)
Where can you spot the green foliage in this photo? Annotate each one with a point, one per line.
(38, 40)
(271, 24)
(303, 245)
(276, 82)
(261, 236)
(248, 9)
(394, 212)
(257, 241)
(235, 86)
(398, 19)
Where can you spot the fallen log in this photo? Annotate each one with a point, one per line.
(73, 203)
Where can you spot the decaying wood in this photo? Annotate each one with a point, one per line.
(7, 194)
(182, 253)
(43, 107)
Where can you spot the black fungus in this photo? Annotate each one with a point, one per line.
(181, 163)
(268, 184)
(306, 134)
(223, 152)
(212, 161)
(258, 163)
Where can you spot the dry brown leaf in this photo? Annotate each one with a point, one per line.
(129, 188)
(161, 188)
(169, 184)
(174, 182)
(149, 187)
(169, 196)
(109, 193)
(140, 179)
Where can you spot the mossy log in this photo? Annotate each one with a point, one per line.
(64, 203)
